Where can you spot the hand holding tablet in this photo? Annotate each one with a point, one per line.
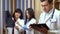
(40, 27)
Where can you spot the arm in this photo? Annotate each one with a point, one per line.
(18, 26)
(27, 26)
(58, 23)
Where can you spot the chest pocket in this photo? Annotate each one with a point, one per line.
(53, 24)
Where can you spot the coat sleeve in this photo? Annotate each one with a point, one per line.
(41, 18)
(32, 21)
(58, 23)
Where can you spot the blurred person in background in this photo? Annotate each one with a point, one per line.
(19, 22)
(29, 19)
(9, 22)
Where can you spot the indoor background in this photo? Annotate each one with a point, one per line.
(11, 5)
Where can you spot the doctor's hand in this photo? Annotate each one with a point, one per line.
(41, 29)
(31, 26)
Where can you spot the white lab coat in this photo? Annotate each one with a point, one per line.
(30, 31)
(52, 23)
(9, 30)
(19, 23)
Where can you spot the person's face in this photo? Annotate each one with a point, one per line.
(46, 6)
(27, 14)
(17, 15)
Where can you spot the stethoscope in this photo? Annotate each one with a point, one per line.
(51, 16)
(53, 13)
(53, 19)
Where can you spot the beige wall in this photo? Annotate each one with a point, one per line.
(38, 9)
(13, 6)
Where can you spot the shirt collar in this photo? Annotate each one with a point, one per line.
(51, 11)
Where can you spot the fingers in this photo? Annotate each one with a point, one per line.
(17, 27)
(43, 30)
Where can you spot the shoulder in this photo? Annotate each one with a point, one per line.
(33, 20)
(20, 20)
(57, 12)
(42, 15)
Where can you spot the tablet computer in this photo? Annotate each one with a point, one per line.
(39, 25)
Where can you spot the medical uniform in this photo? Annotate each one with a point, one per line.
(19, 23)
(52, 20)
(27, 28)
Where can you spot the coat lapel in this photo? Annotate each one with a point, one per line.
(48, 18)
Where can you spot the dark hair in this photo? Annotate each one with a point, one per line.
(31, 13)
(18, 11)
(49, 1)
(8, 19)
(7, 14)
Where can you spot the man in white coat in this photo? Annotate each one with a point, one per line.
(51, 17)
